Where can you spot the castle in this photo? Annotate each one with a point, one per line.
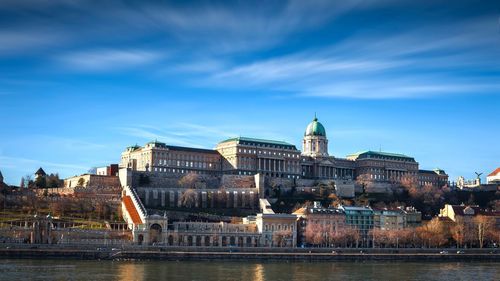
(279, 159)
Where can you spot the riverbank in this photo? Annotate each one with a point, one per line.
(298, 255)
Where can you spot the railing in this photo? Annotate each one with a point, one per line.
(137, 202)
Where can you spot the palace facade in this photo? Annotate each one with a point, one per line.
(279, 159)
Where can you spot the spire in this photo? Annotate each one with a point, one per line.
(315, 118)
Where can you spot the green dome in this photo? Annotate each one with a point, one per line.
(315, 128)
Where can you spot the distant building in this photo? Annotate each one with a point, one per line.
(331, 220)
(494, 177)
(475, 185)
(361, 218)
(436, 177)
(111, 170)
(384, 167)
(467, 213)
(389, 219)
(248, 156)
(158, 157)
(40, 173)
(413, 217)
(396, 218)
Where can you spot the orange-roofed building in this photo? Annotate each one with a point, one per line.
(494, 177)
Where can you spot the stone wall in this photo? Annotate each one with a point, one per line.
(236, 181)
(92, 181)
(159, 198)
(164, 180)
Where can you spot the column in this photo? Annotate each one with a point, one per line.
(235, 199)
(204, 199)
(179, 196)
(146, 196)
(197, 199)
(171, 199)
(244, 199)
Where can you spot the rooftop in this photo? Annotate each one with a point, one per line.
(191, 149)
(40, 171)
(156, 143)
(379, 154)
(251, 141)
(494, 173)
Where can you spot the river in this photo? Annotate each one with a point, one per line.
(29, 269)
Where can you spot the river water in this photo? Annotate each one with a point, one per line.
(237, 270)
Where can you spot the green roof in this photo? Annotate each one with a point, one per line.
(133, 147)
(380, 154)
(157, 143)
(315, 128)
(243, 140)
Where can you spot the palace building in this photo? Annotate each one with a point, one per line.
(279, 159)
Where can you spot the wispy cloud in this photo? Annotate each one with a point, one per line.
(303, 66)
(22, 162)
(205, 27)
(396, 89)
(19, 41)
(424, 62)
(69, 143)
(148, 134)
(196, 135)
(108, 59)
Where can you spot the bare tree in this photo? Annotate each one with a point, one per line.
(188, 198)
(458, 232)
(189, 180)
(434, 233)
(314, 233)
(484, 225)
(281, 237)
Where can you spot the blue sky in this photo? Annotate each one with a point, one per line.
(81, 80)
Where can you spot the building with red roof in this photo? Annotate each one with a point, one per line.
(494, 177)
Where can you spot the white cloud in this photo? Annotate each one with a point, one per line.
(19, 41)
(22, 162)
(108, 59)
(399, 88)
(418, 63)
(302, 66)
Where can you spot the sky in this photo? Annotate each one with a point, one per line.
(82, 80)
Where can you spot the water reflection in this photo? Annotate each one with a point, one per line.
(241, 270)
(130, 271)
(258, 272)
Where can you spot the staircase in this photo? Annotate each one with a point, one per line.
(133, 210)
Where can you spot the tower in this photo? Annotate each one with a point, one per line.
(315, 143)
